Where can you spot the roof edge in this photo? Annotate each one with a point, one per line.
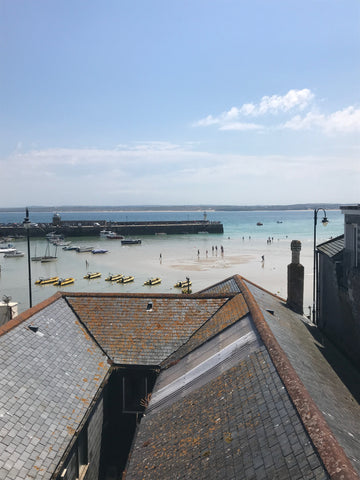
(146, 295)
(331, 453)
(331, 240)
(29, 313)
(241, 279)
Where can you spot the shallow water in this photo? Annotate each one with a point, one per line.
(243, 242)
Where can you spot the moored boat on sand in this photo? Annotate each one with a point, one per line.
(153, 281)
(64, 281)
(113, 278)
(130, 241)
(84, 249)
(46, 281)
(114, 236)
(126, 279)
(71, 247)
(186, 290)
(186, 283)
(90, 276)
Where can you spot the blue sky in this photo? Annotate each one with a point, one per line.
(179, 102)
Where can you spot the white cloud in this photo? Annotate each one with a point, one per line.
(277, 103)
(342, 121)
(166, 173)
(268, 105)
(241, 126)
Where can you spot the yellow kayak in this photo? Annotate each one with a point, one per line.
(182, 284)
(153, 281)
(64, 281)
(126, 279)
(46, 281)
(89, 276)
(114, 278)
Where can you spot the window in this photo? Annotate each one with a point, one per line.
(82, 453)
(135, 390)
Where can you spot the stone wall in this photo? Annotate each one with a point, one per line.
(339, 306)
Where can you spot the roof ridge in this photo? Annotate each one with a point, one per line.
(243, 279)
(331, 453)
(231, 297)
(22, 317)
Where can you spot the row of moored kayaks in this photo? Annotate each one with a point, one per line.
(118, 278)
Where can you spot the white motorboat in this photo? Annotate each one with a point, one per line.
(106, 233)
(15, 253)
(7, 248)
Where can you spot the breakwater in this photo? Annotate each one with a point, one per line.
(91, 228)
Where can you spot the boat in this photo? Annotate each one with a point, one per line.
(99, 250)
(7, 248)
(113, 278)
(15, 253)
(70, 247)
(46, 281)
(125, 279)
(90, 276)
(186, 290)
(114, 236)
(153, 281)
(47, 257)
(130, 242)
(64, 281)
(105, 233)
(186, 283)
(279, 221)
(84, 249)
(259, 224)
(36, 258)
(61, 243)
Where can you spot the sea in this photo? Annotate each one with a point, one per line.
(259, 253)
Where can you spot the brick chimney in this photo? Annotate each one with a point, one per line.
(295, 280)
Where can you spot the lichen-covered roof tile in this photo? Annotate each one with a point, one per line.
(132, 333)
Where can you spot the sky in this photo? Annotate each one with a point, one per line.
(158, 102)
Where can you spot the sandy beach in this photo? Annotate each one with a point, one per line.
(173, 258)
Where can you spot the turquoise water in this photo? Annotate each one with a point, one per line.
(243, 242)
(298, 223)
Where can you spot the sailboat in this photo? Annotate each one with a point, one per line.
(36, 258)
(47, 257)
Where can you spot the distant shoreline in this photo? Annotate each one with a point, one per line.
(172, 208)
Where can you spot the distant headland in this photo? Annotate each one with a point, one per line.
(171, 208)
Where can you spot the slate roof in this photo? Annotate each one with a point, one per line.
(238, 393)
(130, 334)
(241, 409)
(240, 424)
(48, 379)
(329, 378)
(332, 247)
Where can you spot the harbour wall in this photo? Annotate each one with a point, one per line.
(93, 228)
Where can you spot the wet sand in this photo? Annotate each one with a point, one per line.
(170, 258)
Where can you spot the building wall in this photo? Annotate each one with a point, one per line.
(89, 441)
(339, 306)
(95, 428)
